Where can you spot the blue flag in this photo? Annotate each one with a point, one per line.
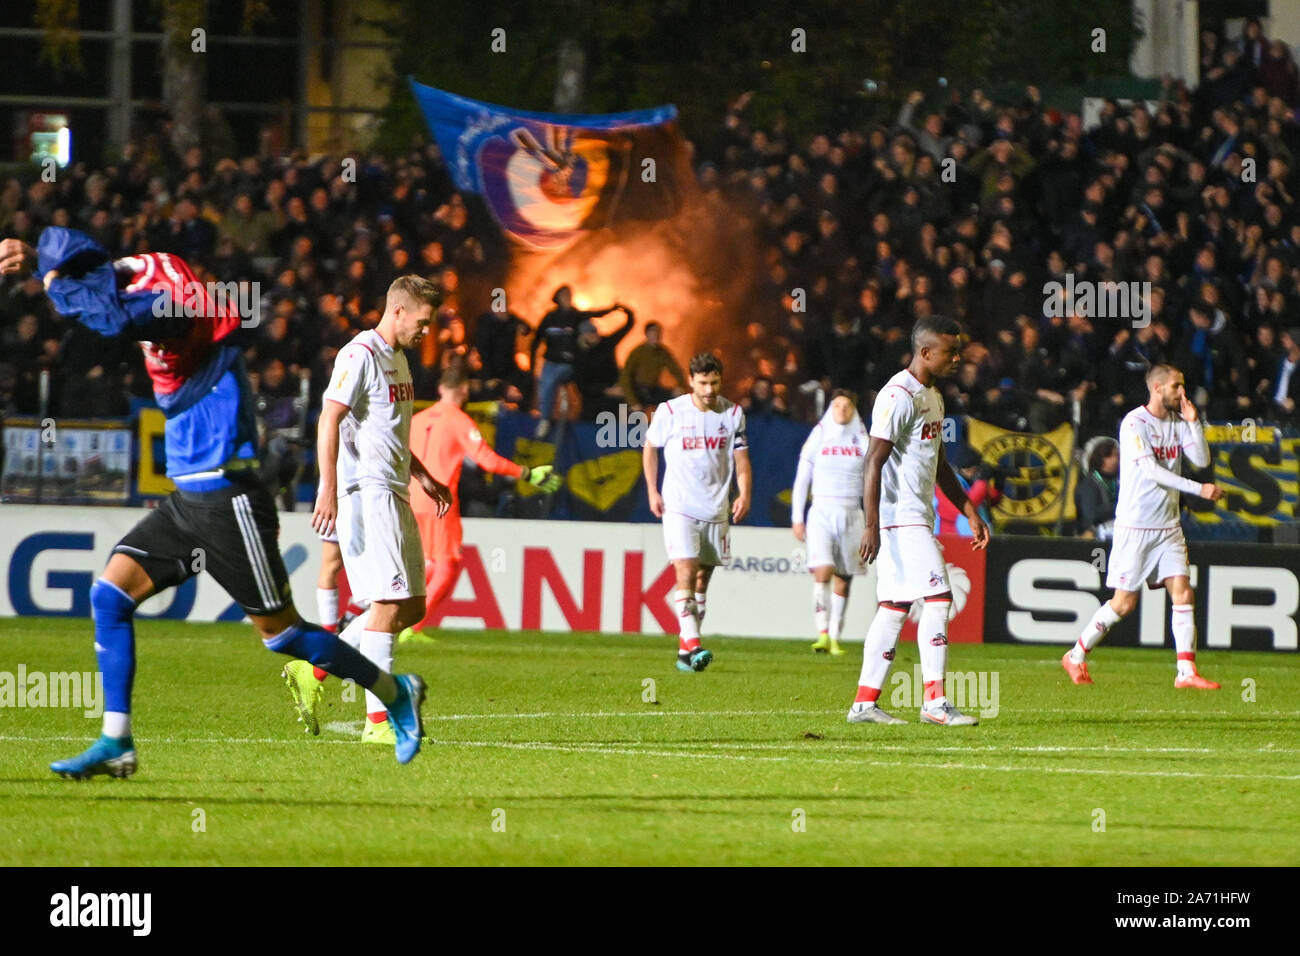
(549, 177)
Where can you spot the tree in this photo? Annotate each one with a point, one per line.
(700, 54)
(184, 68)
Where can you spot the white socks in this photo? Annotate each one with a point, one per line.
(932, 643)
(353, 632)
(821, 606)
(116, 724)
(378, 648)
(878, 649)
(687, 623)
(1184, 628)
(838, 603)
(1102, 621)
(327, 607)
(699, 609)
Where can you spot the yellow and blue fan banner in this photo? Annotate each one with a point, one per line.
(1258, 467)
(1041, 486)
(550, 177)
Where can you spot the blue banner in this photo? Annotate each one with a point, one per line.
(549, 177)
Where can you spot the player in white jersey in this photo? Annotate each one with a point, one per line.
(904, 461)
(703, 438)
(365, 461)
(831, 463)
(1149, 545)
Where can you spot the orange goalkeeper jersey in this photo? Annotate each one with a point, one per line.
(442, 437)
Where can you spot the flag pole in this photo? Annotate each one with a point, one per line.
(1075, 418)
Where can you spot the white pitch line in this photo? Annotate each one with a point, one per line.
(627, 713)
(349, 729)
(180, 740)
(541, 715)
(869, 746)
(616, 751)
(604, 750)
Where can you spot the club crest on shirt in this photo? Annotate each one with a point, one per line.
(399, 583)
(936, 579)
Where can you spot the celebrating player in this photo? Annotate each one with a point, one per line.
(444, 436)
(703, 438)
(831, 461)
(904, 460)
(365, 468)
(1149, 544)
(221, 516)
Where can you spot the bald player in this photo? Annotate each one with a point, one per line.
(443, 436)
(1149, 545)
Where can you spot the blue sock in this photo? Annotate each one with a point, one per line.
(114, 643)
(311, 642)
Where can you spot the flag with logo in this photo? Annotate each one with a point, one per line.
(1041, 483)
(550, 177)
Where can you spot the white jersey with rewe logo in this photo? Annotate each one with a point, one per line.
(698, 448)
(910, 415)
(1150, 468)
(838, 457)
(374, 381)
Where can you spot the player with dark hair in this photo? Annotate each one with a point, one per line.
(220, 510)
(443, 435)
(703, 438)
(1149, 543)
(904, 461)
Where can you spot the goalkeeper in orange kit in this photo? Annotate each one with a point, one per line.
(443, 436)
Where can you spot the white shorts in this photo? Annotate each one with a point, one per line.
(1150, 555)
(332, 537)
(910, 564)
(381, 548)
(708, 542)
(834, 535)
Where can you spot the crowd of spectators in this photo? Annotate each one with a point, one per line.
(967, 208)
(961, 207)
(321, 240)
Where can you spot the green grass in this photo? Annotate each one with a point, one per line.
(553, 730)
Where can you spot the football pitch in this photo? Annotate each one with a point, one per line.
(592, 749)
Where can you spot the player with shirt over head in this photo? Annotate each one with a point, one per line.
(831, 462)
(703, 438)
(904, 461)
(365, 462)
(1149, 544)
(220, 509)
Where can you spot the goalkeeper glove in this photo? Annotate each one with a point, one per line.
(543, 477)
